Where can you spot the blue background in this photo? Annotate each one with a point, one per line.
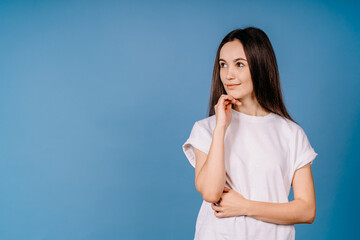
(97, 98)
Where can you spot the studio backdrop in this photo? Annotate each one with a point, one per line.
(97, 98)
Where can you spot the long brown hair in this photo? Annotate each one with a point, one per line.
(263, 69)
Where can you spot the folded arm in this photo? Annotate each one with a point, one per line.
(301, 210)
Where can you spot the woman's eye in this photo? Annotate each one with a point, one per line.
(221, 65)
(240, 63)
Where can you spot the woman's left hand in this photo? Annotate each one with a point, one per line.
(231, 204)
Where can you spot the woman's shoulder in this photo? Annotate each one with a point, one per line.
(287, 124)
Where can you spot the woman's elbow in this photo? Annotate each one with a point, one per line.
(211, 197)
(311, 215)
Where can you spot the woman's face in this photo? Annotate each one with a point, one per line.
(234, 70)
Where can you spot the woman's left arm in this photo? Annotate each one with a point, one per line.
(301, 210)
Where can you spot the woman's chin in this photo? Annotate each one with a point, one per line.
(236, 96)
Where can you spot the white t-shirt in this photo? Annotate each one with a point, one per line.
(261, 154)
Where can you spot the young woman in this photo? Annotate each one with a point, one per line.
(249, 152)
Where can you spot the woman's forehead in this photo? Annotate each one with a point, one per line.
(231, 51)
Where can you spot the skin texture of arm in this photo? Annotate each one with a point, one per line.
(210, 168)
(301, 210)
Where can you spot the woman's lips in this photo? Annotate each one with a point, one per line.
(231, 86)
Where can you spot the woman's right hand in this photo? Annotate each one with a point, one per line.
(223, 110)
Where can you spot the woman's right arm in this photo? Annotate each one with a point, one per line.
(210, 168)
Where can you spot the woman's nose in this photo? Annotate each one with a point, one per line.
(230, 73)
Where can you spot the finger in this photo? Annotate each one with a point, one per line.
(216, 208)
(230, 99)
(237, 102)
(219, 214)
(225, 103)
(226, 100)
(228, 105)
(226, 97)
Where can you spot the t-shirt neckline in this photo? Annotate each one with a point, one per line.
(250, 118)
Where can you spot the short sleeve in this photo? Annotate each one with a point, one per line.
(304, 153)
(199, 138)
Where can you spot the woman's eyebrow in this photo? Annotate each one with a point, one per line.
(220, 59)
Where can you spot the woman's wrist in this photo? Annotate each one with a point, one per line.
(219, 130)
(247, 208)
